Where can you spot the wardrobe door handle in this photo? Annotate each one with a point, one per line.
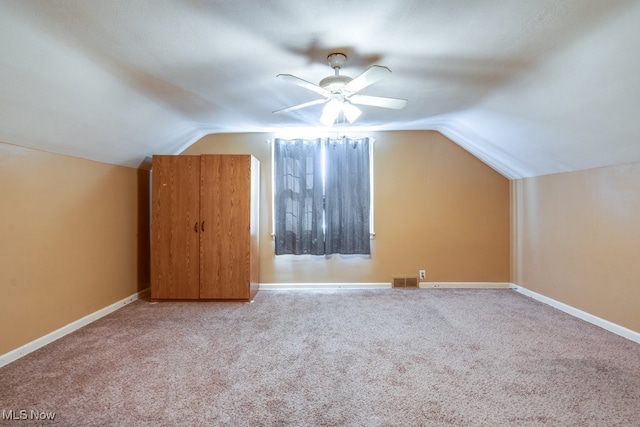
(195, 227)
(202, 226)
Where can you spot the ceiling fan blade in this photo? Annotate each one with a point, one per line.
(299, 106)
(303, 83)
(368, 77)
(378, 101)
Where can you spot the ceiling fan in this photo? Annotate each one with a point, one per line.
(340, 92)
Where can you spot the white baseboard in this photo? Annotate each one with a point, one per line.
(65, 330)
(307, 286)
(604, 324)
(465, 285)
(381, 285)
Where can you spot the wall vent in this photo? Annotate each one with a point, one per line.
(405, 282)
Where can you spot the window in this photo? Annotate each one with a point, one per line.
(322, 196)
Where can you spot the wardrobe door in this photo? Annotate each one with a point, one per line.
(225, 211)
(175, 230)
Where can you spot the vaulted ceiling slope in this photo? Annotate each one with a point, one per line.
(530, 87)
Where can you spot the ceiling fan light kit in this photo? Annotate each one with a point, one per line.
(340, 92)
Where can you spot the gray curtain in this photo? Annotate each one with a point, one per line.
(298, 197)
(347, 197)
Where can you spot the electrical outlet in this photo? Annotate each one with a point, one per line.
(422, 274)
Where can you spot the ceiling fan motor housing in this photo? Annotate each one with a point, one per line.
(334, 83)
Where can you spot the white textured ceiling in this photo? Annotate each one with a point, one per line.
(532, 87)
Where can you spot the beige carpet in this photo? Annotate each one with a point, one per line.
(393, 357)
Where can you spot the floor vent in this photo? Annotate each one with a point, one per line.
(405, 282)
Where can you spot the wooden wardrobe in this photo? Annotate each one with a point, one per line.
(204, 227)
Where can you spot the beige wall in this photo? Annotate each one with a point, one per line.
(436, 208)
(577, 240)
(72, 235)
